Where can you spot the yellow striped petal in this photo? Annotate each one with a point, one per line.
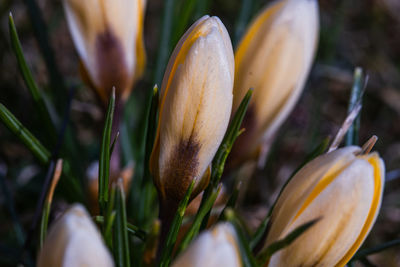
(274, 57)
(343, 189)
(195, 106)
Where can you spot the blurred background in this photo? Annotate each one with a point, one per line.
(363, 33)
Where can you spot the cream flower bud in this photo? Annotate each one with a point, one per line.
(213, 248)
(73, 240)
(108, 35)
(342, 188)
(195, 106)
(274, 57)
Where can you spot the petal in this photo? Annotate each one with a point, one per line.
(300, 187)
(274, 58)
(343, 207)
(74, 240)
(214, 248)
(195, 107)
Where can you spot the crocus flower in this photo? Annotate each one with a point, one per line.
(195, 106)
(343, 189)
(108, 35)
(274, 57)
(213, 248)
(73, 240)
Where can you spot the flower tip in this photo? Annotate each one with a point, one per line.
(74, 240)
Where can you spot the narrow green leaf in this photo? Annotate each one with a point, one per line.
(201, 213)
(113, 143)
(231, 201)
(151, 130)
(109, 218)
(170, 241)
(104, 162)
(24, 135)
(108, 228)
(132, 229)
(245, 252)
(266, 254)
(30, 82)
(48, 193)
(44, 222)
(223, 151)
(259, 233)
(355, 97)
(39, 27)
(135, 231)
(230, 137)
(121, 244)
(379, 248)
(149, 194)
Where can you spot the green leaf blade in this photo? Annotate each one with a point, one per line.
(224, 149)
(166, 255)
(24, 135)
(30, 82)
(104, 162)
(121, 245)
(196, 225)
(355, 97)
(266, 254)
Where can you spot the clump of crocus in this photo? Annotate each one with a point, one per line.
(73, 240)
(213, 248)
(108, 36)
(343, 189)
(274, 57)
(194, 109)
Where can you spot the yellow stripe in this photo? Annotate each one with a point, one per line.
(322, 184)
(253, 30)
(374, 161)
(140, 49)
(180, 58)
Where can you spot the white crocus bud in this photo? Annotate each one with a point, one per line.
(343, 189)
(213, 248)
(73, 240)
(108, 35)
(274, 57)
(195, 106)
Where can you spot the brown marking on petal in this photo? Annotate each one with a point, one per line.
(181, 169)
(112, 69)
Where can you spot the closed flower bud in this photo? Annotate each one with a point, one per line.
(195, 106)
(108, 35)
(213, 248)
(274, 57)
(73, 240)
(343, 189)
